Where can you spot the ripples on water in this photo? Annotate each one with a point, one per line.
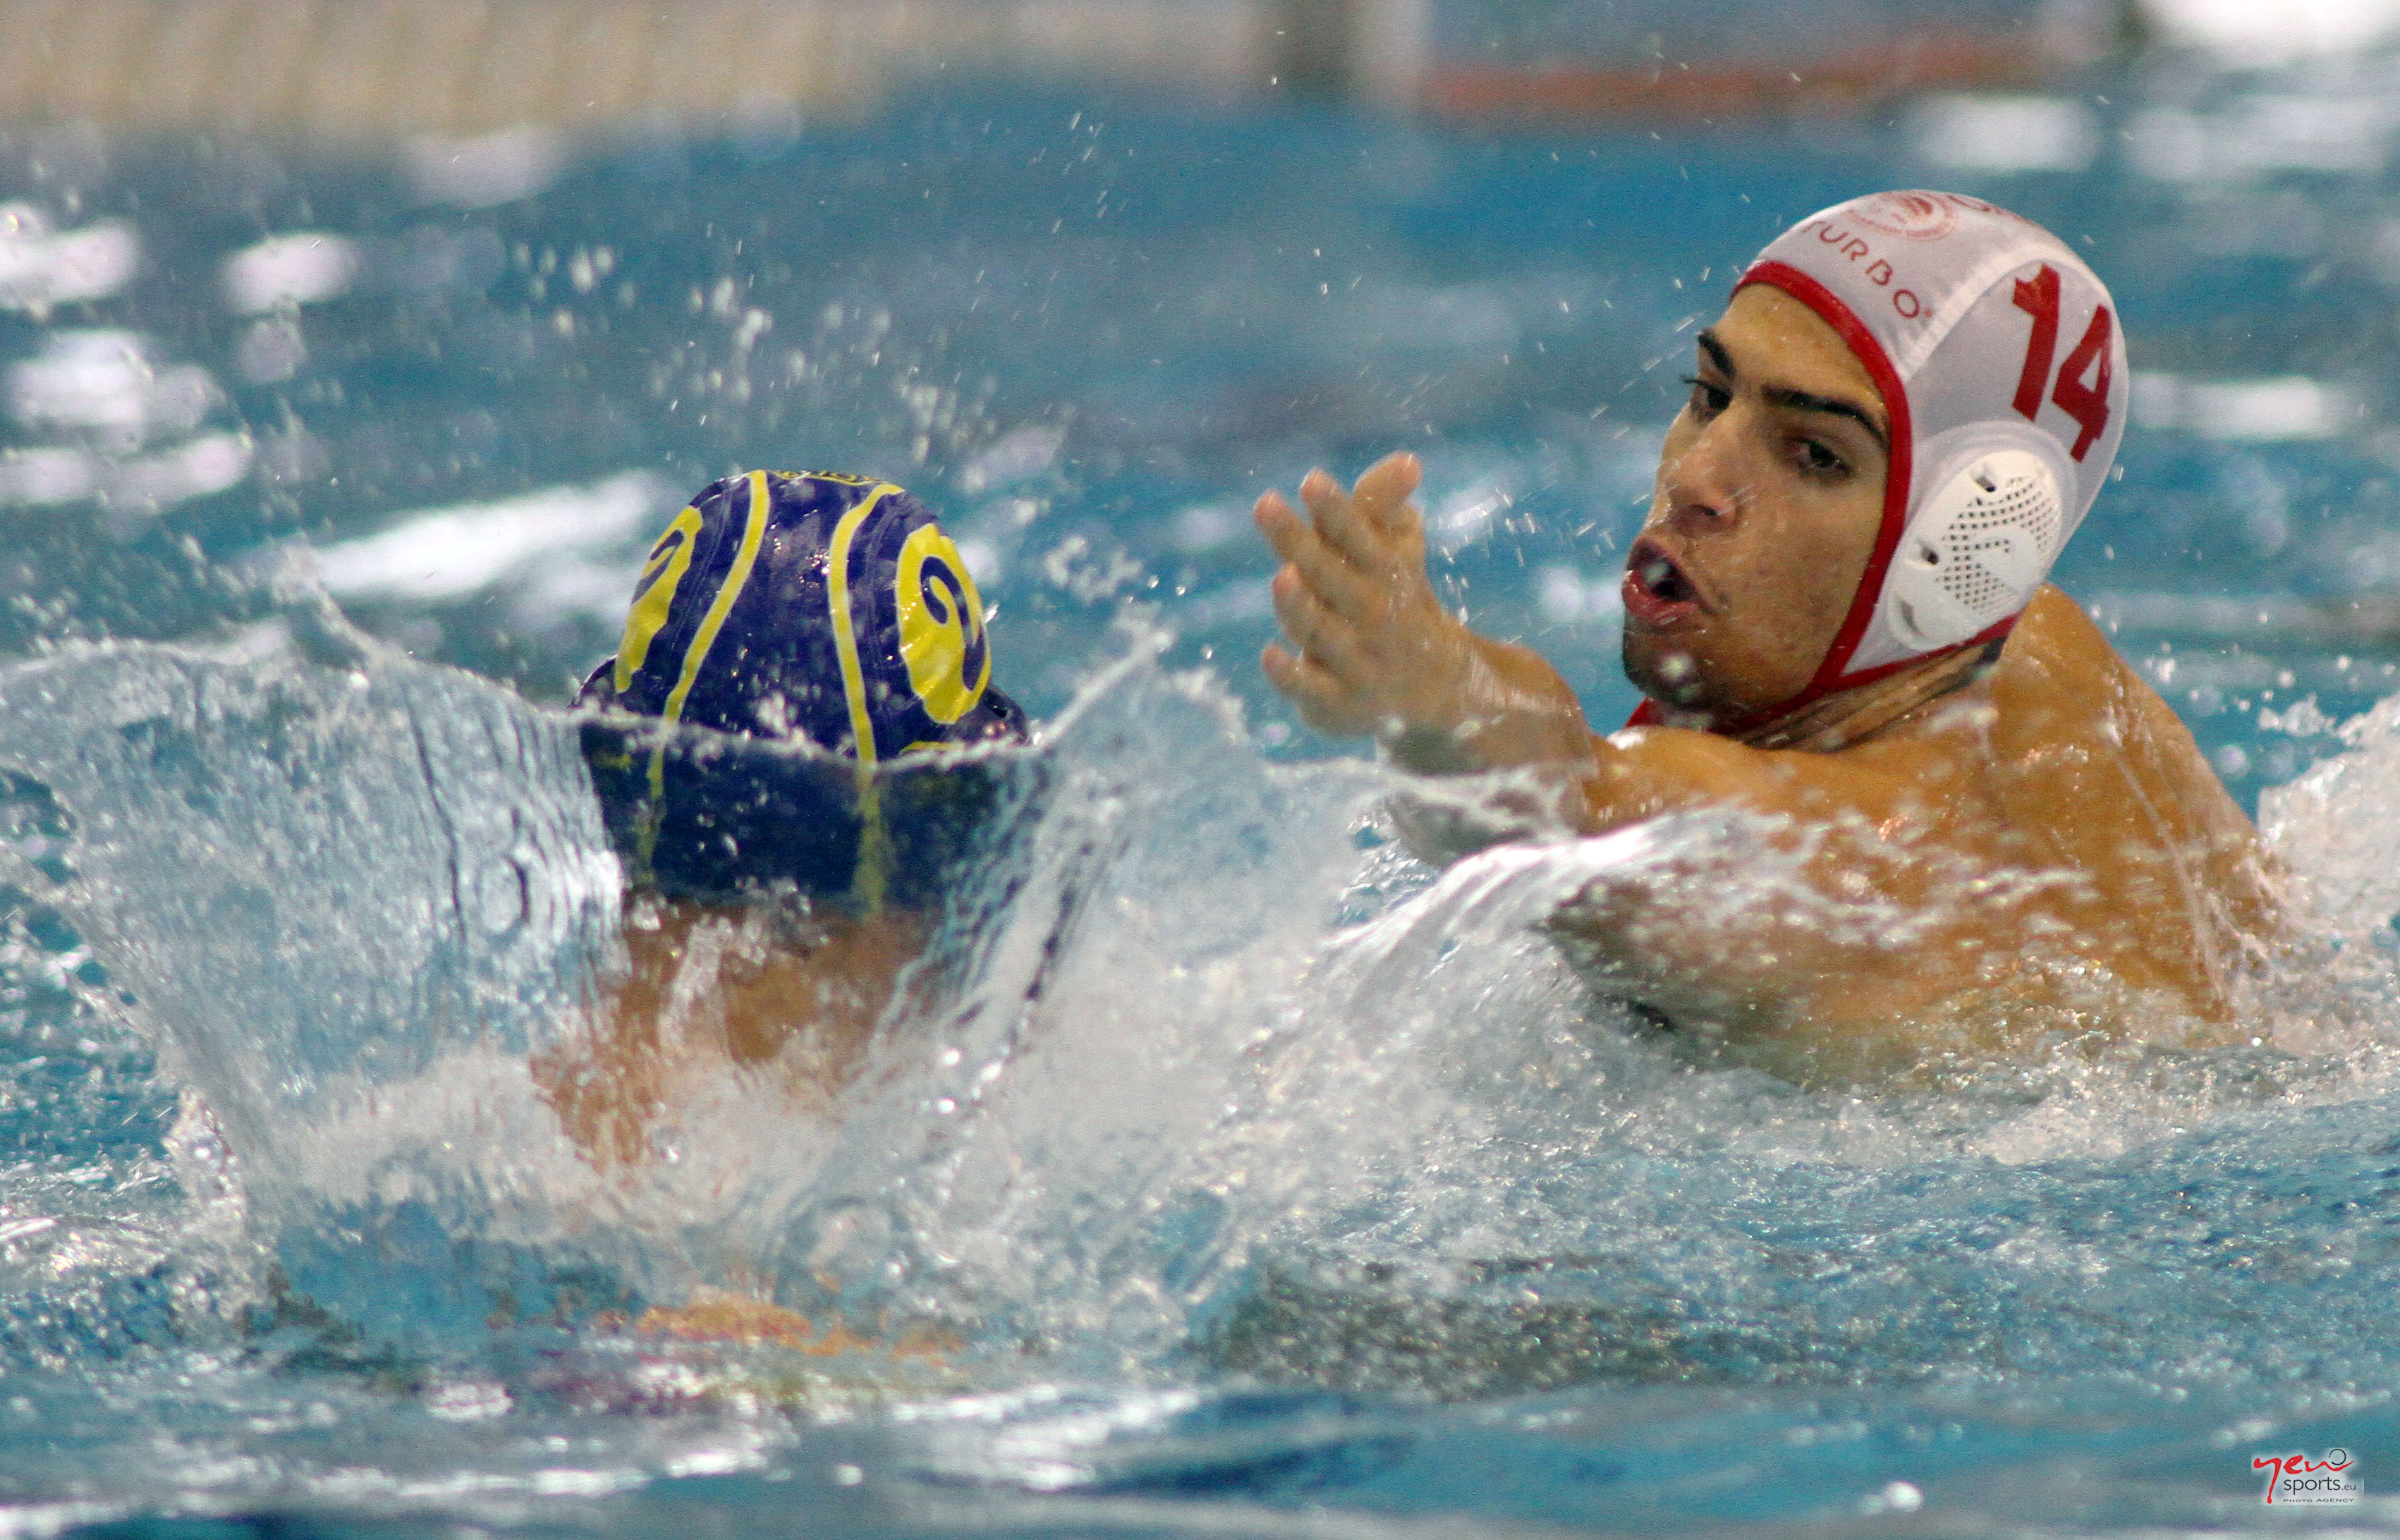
(1250, 1171)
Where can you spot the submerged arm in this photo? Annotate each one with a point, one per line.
(713, 991)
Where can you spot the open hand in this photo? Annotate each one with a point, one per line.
(1371, 648)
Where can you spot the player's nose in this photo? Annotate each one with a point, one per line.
(1704, 487)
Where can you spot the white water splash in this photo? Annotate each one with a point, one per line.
(1204, 1040)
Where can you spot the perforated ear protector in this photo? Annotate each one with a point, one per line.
(1975, 553)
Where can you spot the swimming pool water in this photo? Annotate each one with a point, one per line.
(1256, 1181)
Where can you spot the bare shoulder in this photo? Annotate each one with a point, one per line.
(2066, 701)
(2063, 733)
(1649, 771)
(2056, 656)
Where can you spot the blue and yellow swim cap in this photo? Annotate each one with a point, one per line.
(816, 606)
(821, 626)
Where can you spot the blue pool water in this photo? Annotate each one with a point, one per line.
(1256, 1181)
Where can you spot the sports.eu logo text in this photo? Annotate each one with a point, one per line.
(2296, 1479)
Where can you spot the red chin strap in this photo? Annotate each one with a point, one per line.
(1833, 674)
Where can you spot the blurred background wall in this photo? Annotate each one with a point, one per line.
(371, 69)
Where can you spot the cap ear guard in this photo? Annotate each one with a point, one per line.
(1976, 552)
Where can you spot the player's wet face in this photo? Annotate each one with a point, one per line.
(1769, 498)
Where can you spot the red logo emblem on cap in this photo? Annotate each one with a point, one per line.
(1912, 216)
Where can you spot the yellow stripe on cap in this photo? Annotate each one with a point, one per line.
(654, 594)
(845, 638)
(870, 878)
(753, 535)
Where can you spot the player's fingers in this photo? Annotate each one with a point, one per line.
(1292, 536)
(1381, 497)
(1320, 697)
(1339, 523)
(1296, 677)
(1313, 627)
(1288, 534)
(1341, 587)
(1275, 519)
(1295, 620)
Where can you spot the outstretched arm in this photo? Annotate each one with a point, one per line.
(1371, 649)
(1374, 651)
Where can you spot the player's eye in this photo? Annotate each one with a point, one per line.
(1818, 460)
(1707, 399)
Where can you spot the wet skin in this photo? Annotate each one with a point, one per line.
(714, 990)
(724, 990)
(1953, 861)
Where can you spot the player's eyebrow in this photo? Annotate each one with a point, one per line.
(1805, 401)
(1801, 401)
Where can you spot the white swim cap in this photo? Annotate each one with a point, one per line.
(2003, 366)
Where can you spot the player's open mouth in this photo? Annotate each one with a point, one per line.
(1657, 594)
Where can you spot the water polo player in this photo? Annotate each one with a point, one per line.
(1962, 823)
(774, 896)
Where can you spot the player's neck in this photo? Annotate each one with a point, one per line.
(1868, 711)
